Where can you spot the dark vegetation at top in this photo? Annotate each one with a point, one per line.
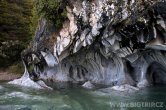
(52, 10)
(18, 22)
(16, 29)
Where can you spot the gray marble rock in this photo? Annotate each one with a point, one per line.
(88, 85)
(110, 43)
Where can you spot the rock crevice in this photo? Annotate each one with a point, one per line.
(108, 42)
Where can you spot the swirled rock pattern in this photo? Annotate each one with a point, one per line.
(110, 42)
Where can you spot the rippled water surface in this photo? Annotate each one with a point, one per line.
(76, 98)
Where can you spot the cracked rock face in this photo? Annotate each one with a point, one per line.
(110, 42)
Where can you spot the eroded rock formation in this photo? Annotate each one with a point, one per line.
(110, 42)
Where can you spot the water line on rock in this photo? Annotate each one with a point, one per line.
(122, 36)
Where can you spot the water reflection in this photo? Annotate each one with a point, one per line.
(75, 98)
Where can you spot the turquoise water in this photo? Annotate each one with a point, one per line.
(76, 98)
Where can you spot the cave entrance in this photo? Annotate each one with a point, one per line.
(156, 74)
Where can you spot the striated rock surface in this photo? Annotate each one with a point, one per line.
(110, 42)
(25, 81)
